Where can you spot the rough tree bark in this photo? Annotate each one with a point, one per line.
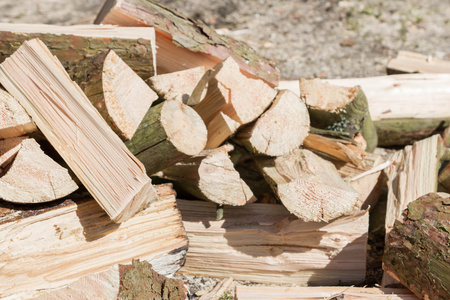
(186, 43)
(417, 248)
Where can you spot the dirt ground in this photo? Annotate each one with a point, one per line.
(306, 38)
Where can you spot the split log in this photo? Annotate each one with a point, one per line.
(33, 177)
(412, 174)
(309, 186)
(178, 85)
(336, 149)
(240, 100)
(320, 293)
(97, 156)
(279, 130)
(170, 132)
(339, 109)
(76, 238)
(265, 243)
(109, 82)
(210, 175)
(404, 108)
(184, 43)
(411, 62)
(14, 120)
(136, 281)
(367, 181)
(417, 252)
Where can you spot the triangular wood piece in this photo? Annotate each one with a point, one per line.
(14, 120)
(114, 177)
(33, 177)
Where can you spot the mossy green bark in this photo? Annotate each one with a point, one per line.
(401, 132)
(140, 282)
(196, 36)
(417, 248)
(351, 119)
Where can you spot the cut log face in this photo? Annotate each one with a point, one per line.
(178, 85)
(14, 120)
(170, 132)
(184, 43)
(8, 150)
(309, 186)
(418, 245)
(265, 243)
(127, 97)
(34, 177)
(114, 177)
(339, 109)
(210, 175)
(278, 131)
(75, 239)
(240, 98)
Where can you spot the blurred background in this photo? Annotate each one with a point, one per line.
(306, 38)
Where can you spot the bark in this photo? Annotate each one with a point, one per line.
(169, 133)
(279, 130)
(77, 238)
(265, 243)
(33, 177)
(410, 62)
(417, 252)
(14, 120)
(211, 176)
(339, 109)
(309, 186)
(97, 156)
(186, 43)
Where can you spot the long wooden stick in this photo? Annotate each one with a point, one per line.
(114, 177)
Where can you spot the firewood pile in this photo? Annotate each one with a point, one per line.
(147, 145)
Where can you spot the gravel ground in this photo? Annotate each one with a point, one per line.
(306, 38)
(315, 38)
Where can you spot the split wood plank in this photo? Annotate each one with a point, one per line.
(97, 156)
(211, 176)
(309, 186)
(33, 177)
(404, 108)
(411, 62)
(320, 293)
(265, 243)
(184, 43)
(280, 129)
(412, 174)
(73, 239)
